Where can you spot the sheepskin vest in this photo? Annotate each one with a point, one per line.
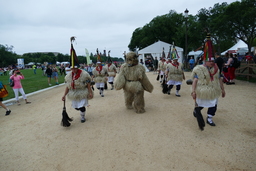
(206, 88)
(174, 73)
(100, 77)
(80, 90)
(111, 70)
(162, 65)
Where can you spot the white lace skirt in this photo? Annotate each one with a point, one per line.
(206, 103)
(79, 103)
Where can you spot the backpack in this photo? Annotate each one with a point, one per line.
(236, 63)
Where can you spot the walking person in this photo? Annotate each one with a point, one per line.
(8, 111)
(207, 85)
(78, 87)
(175, 75)
(17, 77)
(162, 68)
(111, 69)
(100, 74)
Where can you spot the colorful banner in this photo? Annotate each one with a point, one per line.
(87, 56)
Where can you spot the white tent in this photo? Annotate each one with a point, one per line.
(195, 53)
(237, 46)
(156, 50)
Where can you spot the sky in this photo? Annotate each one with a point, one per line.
(47, 25)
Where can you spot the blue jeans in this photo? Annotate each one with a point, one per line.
(191, 66)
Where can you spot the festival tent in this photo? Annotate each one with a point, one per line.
(195, 54)
(237, 46)
(156, 50)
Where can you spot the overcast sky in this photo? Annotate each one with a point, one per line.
(47, 25)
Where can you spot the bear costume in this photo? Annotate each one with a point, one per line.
(133, 80)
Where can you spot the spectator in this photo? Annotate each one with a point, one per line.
(90, 69)
(16, 77)
(141, 62)
(67, 69)
(34, 68)
(55, 74)
(225, 68)
(62, 69)
(49, 74)
(231, 70)
(155, 65)
(248, 58)
(220, 63)
(191, 63)
(43, 69)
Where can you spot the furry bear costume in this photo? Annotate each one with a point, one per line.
(133, 80)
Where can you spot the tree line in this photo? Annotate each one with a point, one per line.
(8, 57)
(225, 22)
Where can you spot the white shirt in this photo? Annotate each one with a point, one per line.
(68, 70)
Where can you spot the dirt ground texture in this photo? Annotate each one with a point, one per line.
(165, 138)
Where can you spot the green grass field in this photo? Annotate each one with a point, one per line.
(31, 83)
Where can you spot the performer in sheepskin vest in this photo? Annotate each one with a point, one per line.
(100, 74)
(162, 68)
(175, 75)
(111, 68)
(207, 86)
(133, 80)
(78, 86)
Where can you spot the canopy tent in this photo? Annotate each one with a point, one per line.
(156, 50)
(237, 46)
(195, 54)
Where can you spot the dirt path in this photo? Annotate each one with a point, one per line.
(113, 138)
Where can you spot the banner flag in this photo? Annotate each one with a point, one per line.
(87, 56)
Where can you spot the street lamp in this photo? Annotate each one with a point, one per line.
(186, 38)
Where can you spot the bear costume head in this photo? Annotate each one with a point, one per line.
(132, 59)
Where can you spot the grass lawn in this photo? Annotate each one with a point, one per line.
(32, 82)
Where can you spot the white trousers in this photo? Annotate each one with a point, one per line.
(111, 79)
(100, 85)
(16, 92)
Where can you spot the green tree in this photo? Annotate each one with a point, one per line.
(241, 19)
(212, 20)
(7, 56)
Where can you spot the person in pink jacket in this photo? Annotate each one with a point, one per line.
(16, 77)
